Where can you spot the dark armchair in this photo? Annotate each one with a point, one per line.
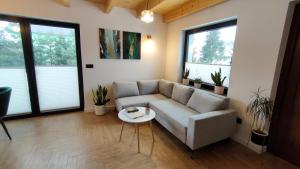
(5, 93)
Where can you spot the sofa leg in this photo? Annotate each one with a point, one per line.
(192, 154)
(188, 148)
(227, 140)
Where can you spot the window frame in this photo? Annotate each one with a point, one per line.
(29, 63)
(187, 33)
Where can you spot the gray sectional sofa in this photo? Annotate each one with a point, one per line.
(196, 117)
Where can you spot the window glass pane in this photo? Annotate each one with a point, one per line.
(12, 67)
(56, 67)
(210, 50)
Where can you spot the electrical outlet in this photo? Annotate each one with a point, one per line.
(89, 66)
(238, 120)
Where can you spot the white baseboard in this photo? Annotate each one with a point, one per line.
(251, 146)
(87, 110)
(111, 107)
(91, 109)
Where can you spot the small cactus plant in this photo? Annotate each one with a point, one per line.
(186, 73)
(99, 97)
(217, 78)
(198, 80)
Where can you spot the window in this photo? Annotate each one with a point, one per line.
(209, 48)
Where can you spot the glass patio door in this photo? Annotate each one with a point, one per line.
(56, 67)
(12, 67)
(40, 60)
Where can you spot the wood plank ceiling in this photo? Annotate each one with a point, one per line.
(170, 10)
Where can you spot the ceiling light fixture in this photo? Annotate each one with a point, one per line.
(147, 15)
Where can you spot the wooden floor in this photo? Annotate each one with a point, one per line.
(41, 142)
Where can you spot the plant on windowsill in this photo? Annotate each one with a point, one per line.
(99, 98)
(185, 77)
(218, 80)
(259, 110)
(197, 83)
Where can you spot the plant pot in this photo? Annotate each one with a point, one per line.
(100, 110)
(185, 81)
(219, 90)
(259, 138)
(197, 85)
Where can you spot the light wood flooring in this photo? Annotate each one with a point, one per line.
(80, 140)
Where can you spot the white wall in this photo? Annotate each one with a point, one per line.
(90, 18)
(259, 30)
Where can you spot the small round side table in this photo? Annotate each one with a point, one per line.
(149, 115)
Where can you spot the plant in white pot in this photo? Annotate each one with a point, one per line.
(259, 110)
(218, 80)
(99, 98)
(197, 83)
(185, 77)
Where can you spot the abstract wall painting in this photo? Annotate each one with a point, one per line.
(110, 44)
(131, 45)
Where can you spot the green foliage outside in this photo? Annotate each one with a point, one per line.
(53, 49)
(212, 51)
(49, 49)
(11, 52)
(214, 48)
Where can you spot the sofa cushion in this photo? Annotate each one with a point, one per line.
(142, 100)
(182, 93)
(205, 102)
(173, 116)
(148, 86)
(165, 87)
(125, 89)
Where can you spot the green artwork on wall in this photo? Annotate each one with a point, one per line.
(131, 45)
(109, 44)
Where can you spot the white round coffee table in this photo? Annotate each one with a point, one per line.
(148, 116)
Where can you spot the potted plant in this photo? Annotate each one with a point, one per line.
(185, 79)
(259, 110)
(99, 98)
(197, 83)
(218, 80)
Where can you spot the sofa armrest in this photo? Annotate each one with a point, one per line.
(210, 127)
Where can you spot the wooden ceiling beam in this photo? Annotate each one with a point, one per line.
(151, 5)
(109, 5)
(189, 8)
(65, 3)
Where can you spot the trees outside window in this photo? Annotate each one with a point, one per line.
(210, 48)
(49, 48)
(11, 51)
(214, 48)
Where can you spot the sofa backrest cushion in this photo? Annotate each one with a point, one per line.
(125, 89)
(165, 87)
(148, 86)
(205, 102)
(182, 93)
